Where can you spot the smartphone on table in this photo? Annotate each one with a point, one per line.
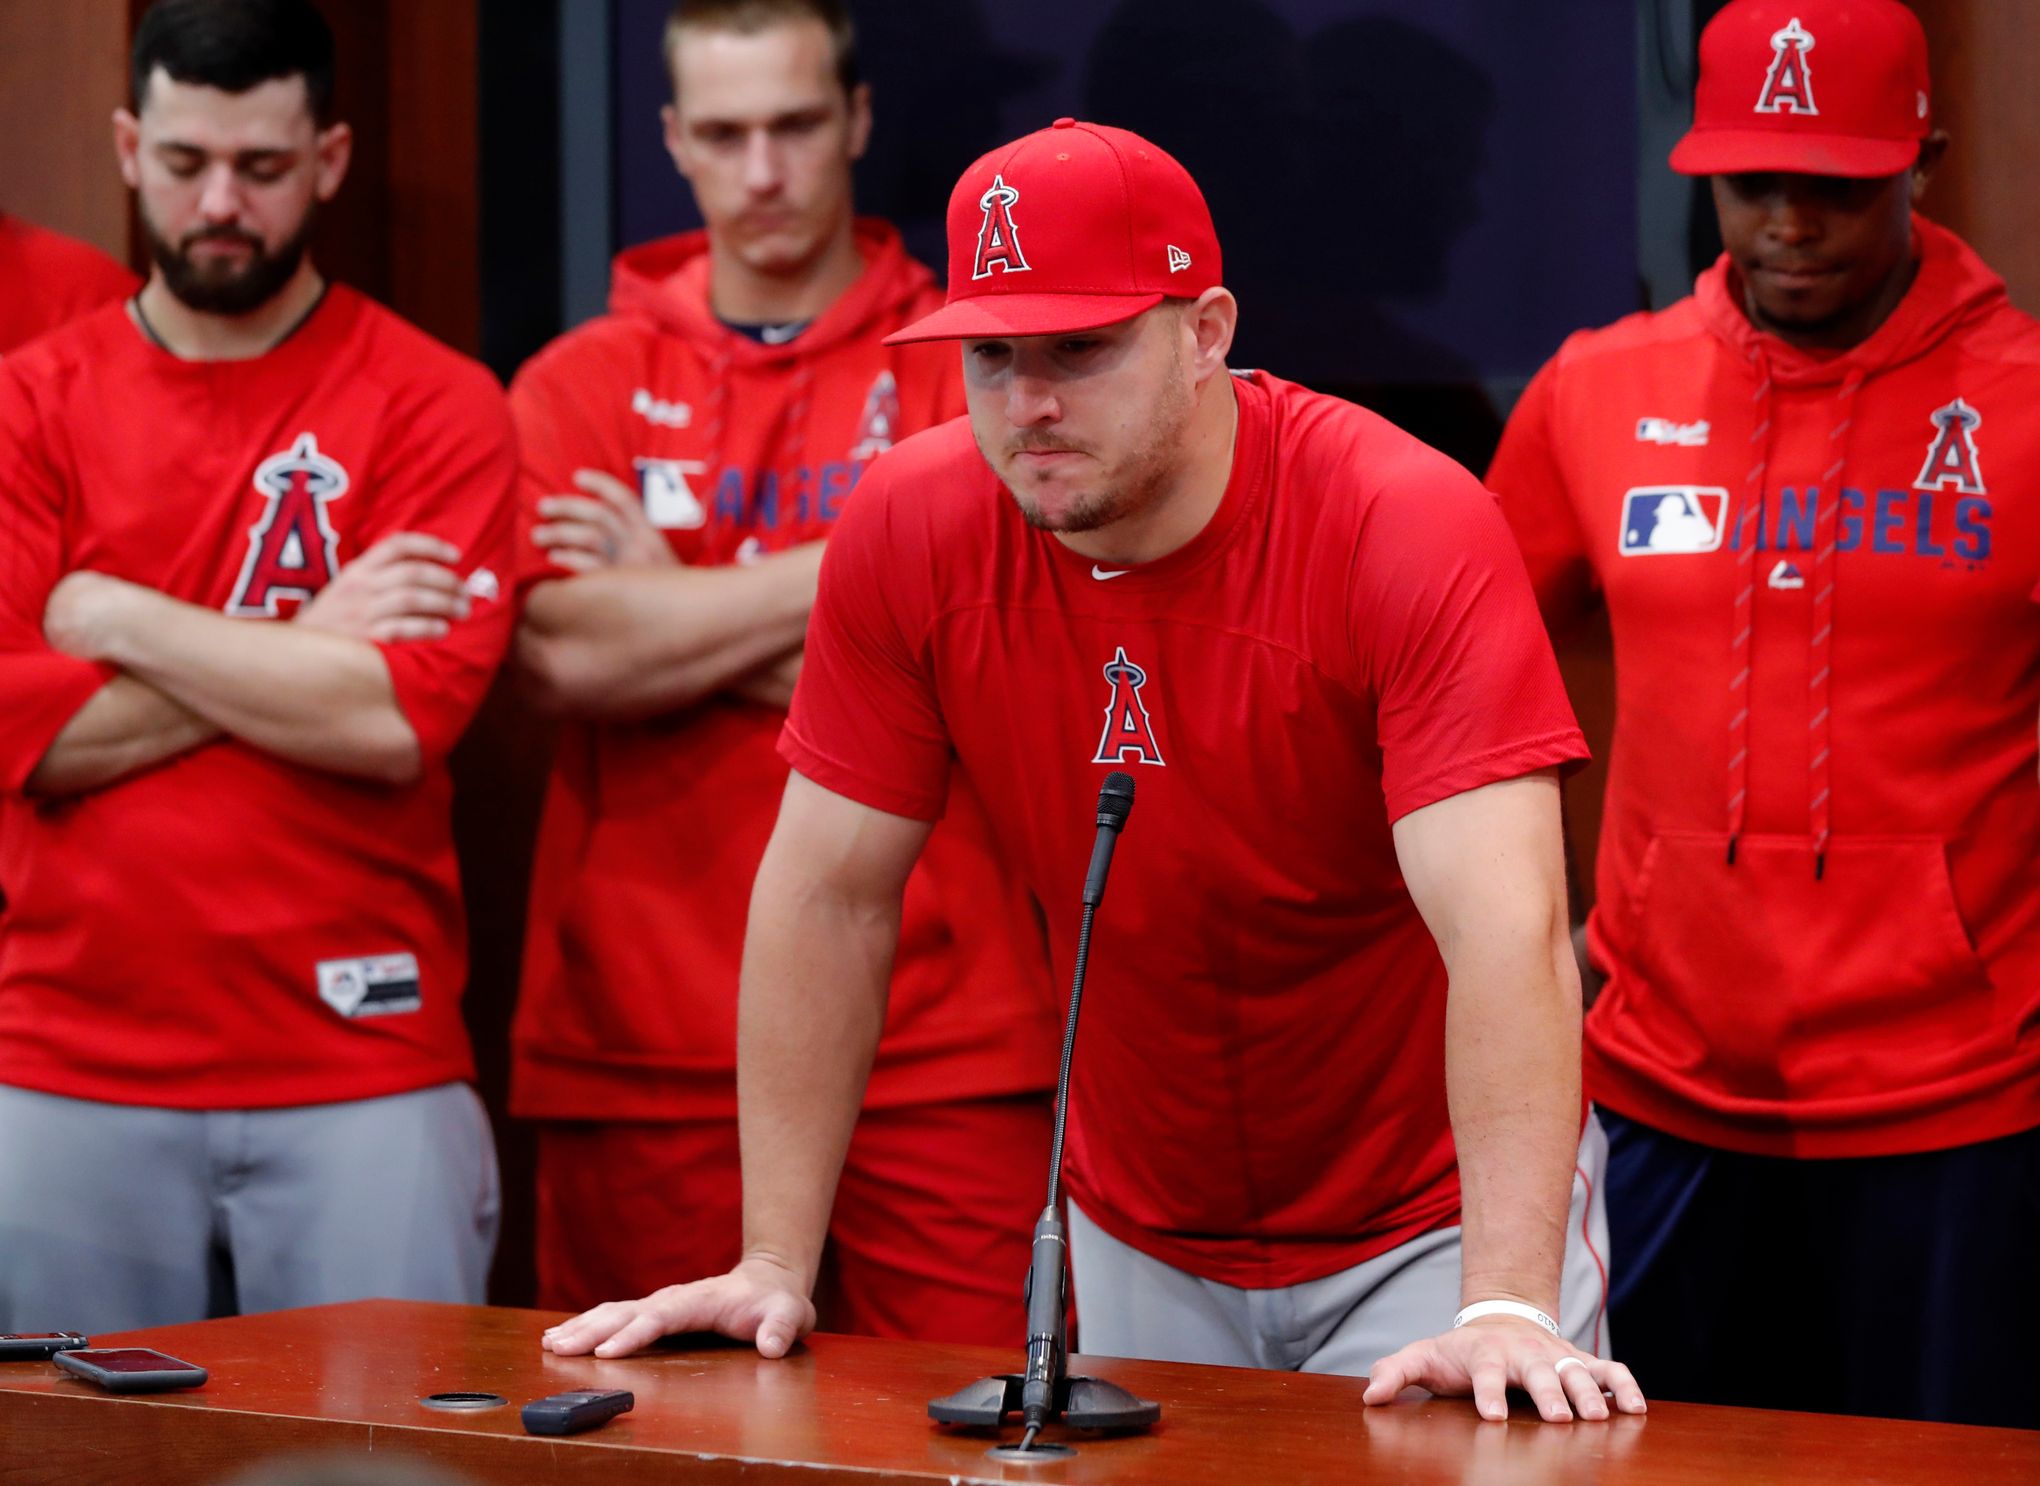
(130, 1369)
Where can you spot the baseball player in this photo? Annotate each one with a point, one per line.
(49, 279)
(1818, 913)
(248, 599)
(687, 455)
(1335, 937)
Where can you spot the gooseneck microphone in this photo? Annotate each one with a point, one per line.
(1045, 1390)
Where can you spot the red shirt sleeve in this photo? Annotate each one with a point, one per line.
(40, 689)
(1447, 639)
(549, 399)
(448, 468)
(866, 722)
(1532, 488)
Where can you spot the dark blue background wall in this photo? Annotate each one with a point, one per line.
(1407, 191)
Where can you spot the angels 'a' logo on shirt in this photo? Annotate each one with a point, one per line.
(1951, 457)
(1672, 518)
(293, 551)
(1788, 86)
(998, 245)
(881, 420)
(1129, 735)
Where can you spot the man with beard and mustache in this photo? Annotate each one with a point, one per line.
(1311, 640)
(251, 527)
(1818, 1043)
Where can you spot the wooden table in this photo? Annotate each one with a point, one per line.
(851, 1410)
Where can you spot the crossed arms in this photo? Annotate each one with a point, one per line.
(315, 691)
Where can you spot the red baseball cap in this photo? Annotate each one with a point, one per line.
(1816, 87)
(1072, 227)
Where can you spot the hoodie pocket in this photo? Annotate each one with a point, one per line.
(1767, 983)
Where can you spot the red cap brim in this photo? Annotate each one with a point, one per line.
(1734, 151)
(997, 316)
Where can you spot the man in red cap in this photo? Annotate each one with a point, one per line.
(1818, 913)
(1336, 931)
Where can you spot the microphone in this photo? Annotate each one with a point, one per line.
(1115, 803)
(1045, 1390)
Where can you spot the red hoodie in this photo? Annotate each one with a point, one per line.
(47, 279)
(653, 831)
(1819, 878)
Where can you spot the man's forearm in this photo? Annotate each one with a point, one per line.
(126, 726)
(813, 1001)
(320, 699)
(1512, 1061)
(635, 642)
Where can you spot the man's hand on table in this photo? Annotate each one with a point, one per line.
(1488, 1357)
(760, 1300)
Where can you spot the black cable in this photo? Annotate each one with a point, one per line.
(1062, 1078)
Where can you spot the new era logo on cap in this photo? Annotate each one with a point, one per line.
(1112, 224)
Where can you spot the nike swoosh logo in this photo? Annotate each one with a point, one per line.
(1101, 574)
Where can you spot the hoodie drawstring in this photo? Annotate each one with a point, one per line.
(1748, 511)
(1820, 647)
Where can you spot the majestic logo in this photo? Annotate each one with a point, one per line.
(658, 412)
(998, 245)
(1788, 86)
(670, 502)
(1128, 732)
(1787, 575)
(1666, 431)
(1178, 259)
(1951, 458)
(1672, 518)
(881, 420)
(293, 551)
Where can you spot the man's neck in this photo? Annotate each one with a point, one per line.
(193, 335)
(741, 295)
(1178, 513)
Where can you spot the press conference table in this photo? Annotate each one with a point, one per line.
(848, 1409)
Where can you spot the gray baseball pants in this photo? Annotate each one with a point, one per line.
(119, 1216)
(1132, 1305)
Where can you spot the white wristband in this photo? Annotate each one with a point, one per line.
(1504, 1308)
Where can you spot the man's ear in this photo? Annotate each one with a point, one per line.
(334, 150)
(1212, 318)
(860, 120)
(1932, 149)
(676, 143)
(127, 147)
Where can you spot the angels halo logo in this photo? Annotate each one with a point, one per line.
(293, 551)
(998, 241)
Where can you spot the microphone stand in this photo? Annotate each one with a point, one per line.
(1045, 1391)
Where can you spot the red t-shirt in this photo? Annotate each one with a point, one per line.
(1258, 1094)
(229, 929)
(47, 279)
(1885, 998)
(653, 831)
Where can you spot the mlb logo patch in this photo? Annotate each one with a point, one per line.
(1658, 519)
(670, 502)
(374, 985)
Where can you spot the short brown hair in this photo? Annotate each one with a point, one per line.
(748, 17)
